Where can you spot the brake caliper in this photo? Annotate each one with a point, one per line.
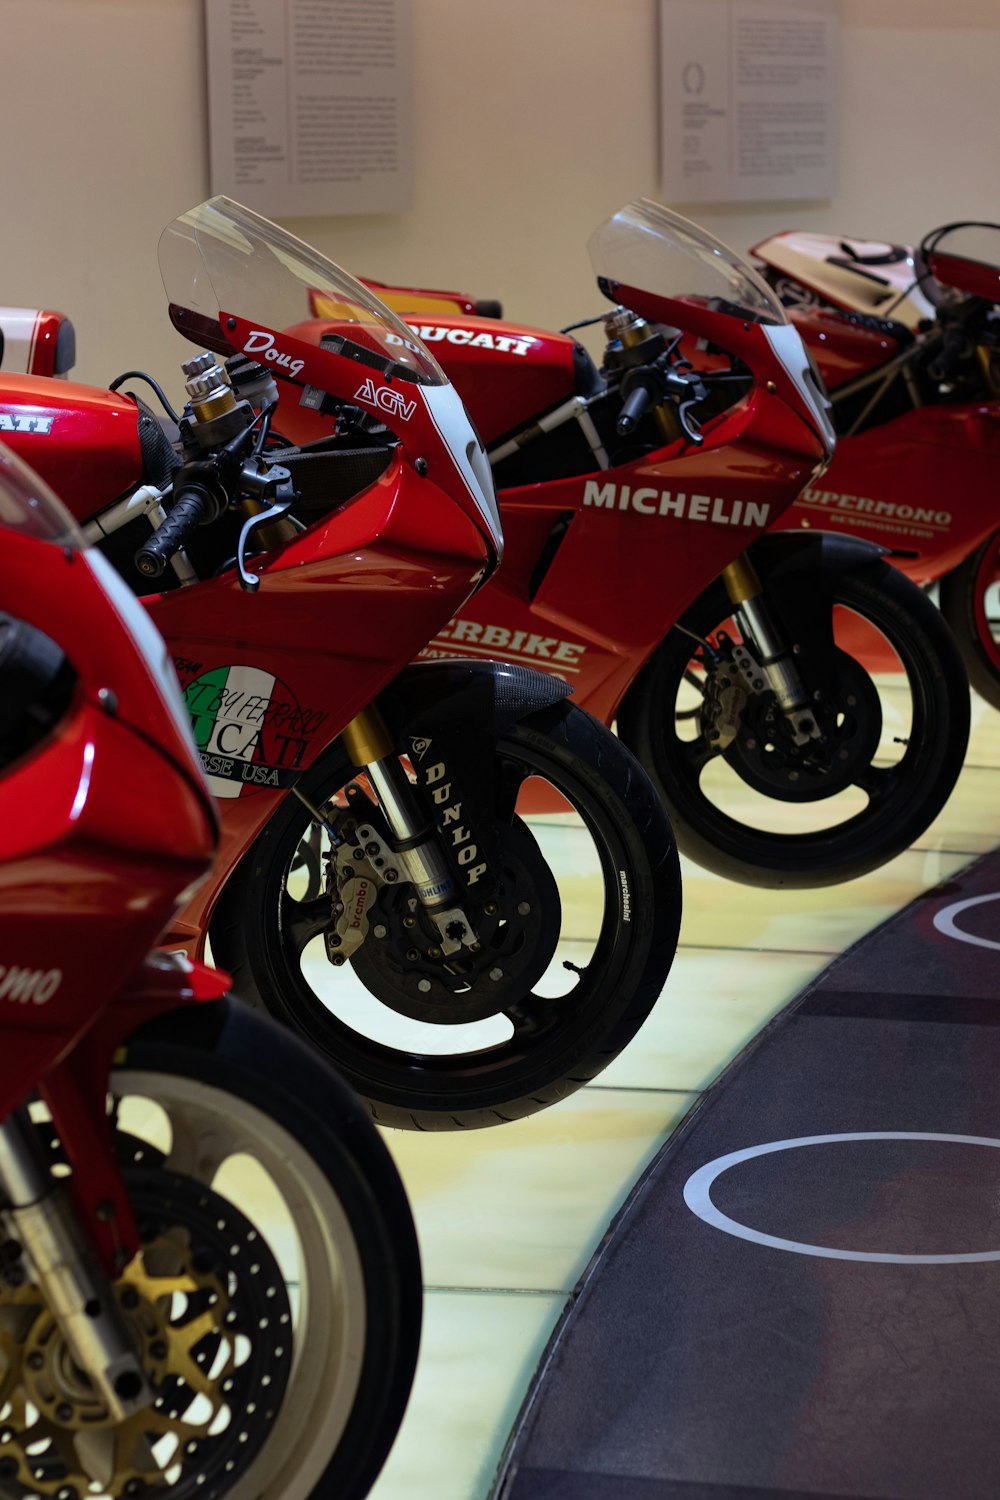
(358, 870)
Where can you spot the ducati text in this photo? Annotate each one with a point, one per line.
(21, 422)
(503, 343)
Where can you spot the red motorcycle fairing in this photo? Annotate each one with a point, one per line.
(37, 341)
(685, 509)
(397, 558)
(966, 275)
(83, 439)
(74, 860)
(845, 348)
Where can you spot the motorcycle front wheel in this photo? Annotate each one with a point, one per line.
(589, 913)
(276, 1297)
(766, 813)
(970, 602)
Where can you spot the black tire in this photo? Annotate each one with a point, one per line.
(559, 1033)
(971, 611)
(228, 1079)
(903, 798)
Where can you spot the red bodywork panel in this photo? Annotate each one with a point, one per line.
(343, 607)
(83, 440)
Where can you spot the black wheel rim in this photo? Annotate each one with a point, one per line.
(498, 1058)
(705, 789)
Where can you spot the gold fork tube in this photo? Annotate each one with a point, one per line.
(367, 737)
(740, 579)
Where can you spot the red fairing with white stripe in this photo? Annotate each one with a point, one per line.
(37, 341)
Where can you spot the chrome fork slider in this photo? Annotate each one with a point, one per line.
(40, 1215)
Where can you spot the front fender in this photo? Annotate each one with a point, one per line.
(447, 718)
(481, 695)
(799, 575)
(823, 554)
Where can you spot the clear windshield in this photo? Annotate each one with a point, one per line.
(29, 506)
(646, 246)
(223, 258)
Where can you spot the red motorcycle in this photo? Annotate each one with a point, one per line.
(378, 888)
(908, 343)
(640, 503)
(163, 1331)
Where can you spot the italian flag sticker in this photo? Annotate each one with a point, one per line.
(248, 729)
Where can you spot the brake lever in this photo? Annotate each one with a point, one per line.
(275, 510)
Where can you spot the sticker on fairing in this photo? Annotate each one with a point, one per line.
(251, 731)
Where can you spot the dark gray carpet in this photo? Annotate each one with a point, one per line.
(694, 1364)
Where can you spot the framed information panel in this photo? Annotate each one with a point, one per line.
(311, 104)
(749, 99)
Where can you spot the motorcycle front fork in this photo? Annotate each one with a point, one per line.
(369, 744)
(775, 657)
(39, 1216)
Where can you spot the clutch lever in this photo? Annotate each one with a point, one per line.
(690, 425)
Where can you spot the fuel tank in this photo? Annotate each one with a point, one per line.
(506, 373)
(84, 440)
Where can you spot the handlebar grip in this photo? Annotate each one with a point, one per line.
(634, 407)
(191, 508)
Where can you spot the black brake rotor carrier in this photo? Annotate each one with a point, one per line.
(766, 757)
(517, 941)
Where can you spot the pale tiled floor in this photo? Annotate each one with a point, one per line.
(509, 1217)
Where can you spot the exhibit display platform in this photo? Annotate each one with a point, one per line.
(509, 1219)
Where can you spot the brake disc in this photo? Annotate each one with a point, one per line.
(208, 1308)
(766, 757)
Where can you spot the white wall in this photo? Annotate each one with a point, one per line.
(534, 120)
